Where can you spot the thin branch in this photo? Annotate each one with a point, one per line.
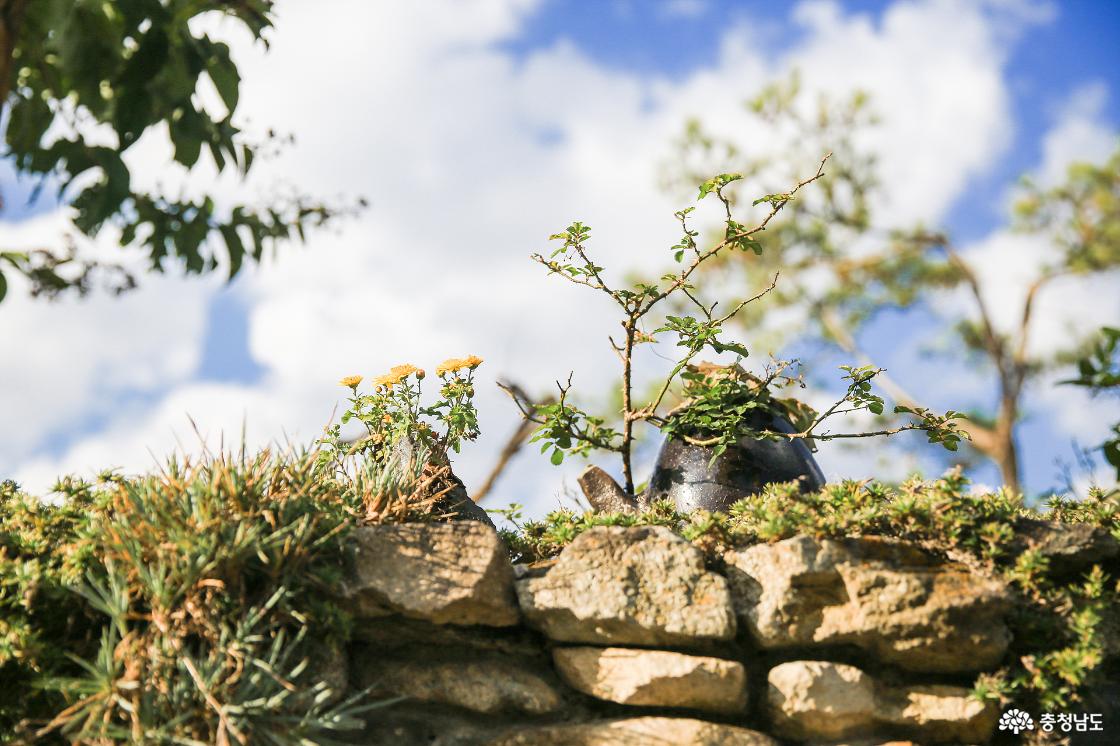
(775, 208)
(806, 435)
(649, 411)
(983, 438)
(1020, 358)
(990, 336)
(514, 444)
(733, 312)
(554, 269)
(594, 270)
(513, 392)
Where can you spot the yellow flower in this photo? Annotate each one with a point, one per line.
(351, 381)
(397, 374)
(458, 363)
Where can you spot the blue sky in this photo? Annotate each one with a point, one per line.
(450, 115)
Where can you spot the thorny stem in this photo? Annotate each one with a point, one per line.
(807, 434)
(728, 240)
(636, 308)
(627, 412)
(649, 411)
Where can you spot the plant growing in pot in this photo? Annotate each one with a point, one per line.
(711, 455)
(728, 433)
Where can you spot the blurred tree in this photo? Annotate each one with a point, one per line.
(1099, 371)
(841, 263)
(81, 81)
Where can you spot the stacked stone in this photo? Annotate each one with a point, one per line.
(627, 637)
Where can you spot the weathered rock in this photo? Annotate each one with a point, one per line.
(818, 700)
(637, 732)
(605, 494)
(456, 504)
(459, 505)
(482, 684)
(888, 597)
(446, 573)
(642, 585)
(657, 678)
(1068, 546)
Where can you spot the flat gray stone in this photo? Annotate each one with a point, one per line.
(642, 585)
(824, 701)
(654, 678)
(446, 573)
(889, 597)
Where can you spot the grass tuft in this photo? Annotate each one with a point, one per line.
(186, 606)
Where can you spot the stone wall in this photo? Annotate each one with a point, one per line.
(630, 637)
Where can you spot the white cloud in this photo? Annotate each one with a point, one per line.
(70, 360)
(1079, 135)
(938, 68)
(470, 159)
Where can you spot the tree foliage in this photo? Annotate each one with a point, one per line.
(82, 81)
(1099, 371)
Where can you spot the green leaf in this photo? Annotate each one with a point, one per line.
(187, 140)
(225, 76)
(773, 199)
(3, 286)
(735, 347)
(235, 247)
(716, 183)
(557, 457)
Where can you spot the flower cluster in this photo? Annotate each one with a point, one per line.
(454, 364)
(397, 374)
(394, 411)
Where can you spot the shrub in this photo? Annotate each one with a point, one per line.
(712, 409)
(177, 607)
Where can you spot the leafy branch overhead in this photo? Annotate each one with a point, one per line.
(715, 405)
(82, 81)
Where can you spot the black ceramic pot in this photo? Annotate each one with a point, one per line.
(682, 472)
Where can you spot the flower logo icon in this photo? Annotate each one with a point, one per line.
(1016, 721)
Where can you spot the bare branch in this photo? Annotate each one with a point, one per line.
(516, 441)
